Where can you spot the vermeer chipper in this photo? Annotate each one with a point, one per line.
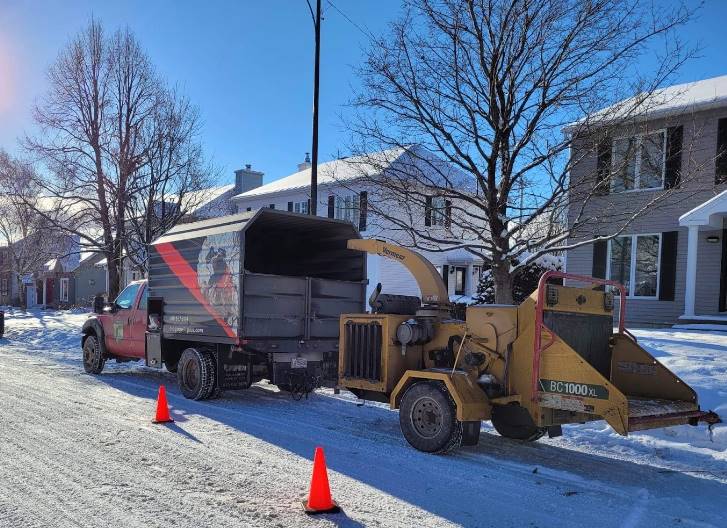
(553, 360)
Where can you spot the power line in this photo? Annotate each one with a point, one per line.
(353, 23)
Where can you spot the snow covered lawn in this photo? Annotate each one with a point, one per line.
(79, 450)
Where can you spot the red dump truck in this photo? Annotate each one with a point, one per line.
(233, 300)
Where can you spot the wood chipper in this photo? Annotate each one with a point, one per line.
(555, 359)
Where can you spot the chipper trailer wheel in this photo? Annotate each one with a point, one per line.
(93, 358)
(513, 421)
(428, 420)
(196, 374)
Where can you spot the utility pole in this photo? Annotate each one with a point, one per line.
(316, 76)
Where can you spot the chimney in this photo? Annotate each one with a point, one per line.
(306, 164)
(247, 179)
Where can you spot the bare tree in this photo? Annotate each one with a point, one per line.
(173, 179)
(28, 236)
(501, 91)
(97, 126)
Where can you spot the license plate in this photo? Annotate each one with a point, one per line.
(299, 362)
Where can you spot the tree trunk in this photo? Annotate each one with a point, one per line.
(22, 296)
(114, 277)
(503, 282)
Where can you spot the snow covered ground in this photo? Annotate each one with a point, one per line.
(79, 450)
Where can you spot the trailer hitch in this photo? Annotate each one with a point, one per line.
(711, 418)
(302, 385)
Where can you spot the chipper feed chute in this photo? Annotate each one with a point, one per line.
(581, 366)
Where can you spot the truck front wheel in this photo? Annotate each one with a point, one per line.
(428, 419)
(196, 374)
(93, 358)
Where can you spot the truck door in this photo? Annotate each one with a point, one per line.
(118, 336)
(137, 325)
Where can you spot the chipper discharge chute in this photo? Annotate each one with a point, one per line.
(553, 360)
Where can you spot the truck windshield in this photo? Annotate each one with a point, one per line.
(126, 298)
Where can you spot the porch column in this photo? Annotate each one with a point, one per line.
(691, 284)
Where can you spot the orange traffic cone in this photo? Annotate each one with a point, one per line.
(319, 498)
(162, 415)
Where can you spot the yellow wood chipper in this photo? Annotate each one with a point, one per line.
(555, 359)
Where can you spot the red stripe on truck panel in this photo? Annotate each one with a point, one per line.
(188, 277)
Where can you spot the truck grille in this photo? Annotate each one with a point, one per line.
(363, 350)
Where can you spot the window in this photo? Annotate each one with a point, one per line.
(460, 273)
(144, 301)
(272, 206)
(476, 273)
(3, 286)
(634, 262)
(248, 209)
(64, 289)
(347, 208)
(300, 207)
(125, 300)
(638, 162)
(721, 157)
(439, 211)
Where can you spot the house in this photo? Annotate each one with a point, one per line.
(345, 188)
(26, 280)
(209, 203)
(90, 278)
(7, 284)
(666, 170)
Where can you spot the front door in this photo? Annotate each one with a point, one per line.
(31, 298)
(49, 285)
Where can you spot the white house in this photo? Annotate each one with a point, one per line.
(344, 192)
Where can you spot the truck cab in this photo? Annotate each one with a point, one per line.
(118, 331)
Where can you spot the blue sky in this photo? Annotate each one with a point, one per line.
(246, 64)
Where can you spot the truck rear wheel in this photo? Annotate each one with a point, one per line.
(428, 419)
(196, 374)
(513, 421)
(93, 358)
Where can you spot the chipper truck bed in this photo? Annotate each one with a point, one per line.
(555, 359)
(233, 300)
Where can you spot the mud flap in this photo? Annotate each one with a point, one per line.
(234, 369)
(471, 433)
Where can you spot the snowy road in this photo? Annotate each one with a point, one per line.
(78, 450)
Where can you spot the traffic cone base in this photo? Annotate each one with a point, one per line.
(319, 497)
(162, 414)
(335, 508)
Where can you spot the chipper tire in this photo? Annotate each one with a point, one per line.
(428, 419)
(196, 374)
(93, 356)
(514, 422)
